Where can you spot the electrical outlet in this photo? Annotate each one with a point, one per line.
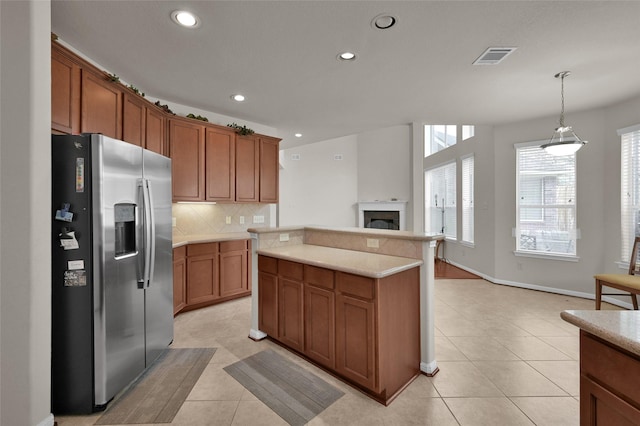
(284, 237)
(227, 220)
(372, 243)
(258, 219)
(241, 220)
(173, 222)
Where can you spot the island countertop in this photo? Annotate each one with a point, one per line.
(370, 265)
(621, 328)
(371, 232)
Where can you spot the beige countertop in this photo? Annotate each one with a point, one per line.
(354, 262)
(621, 328)
(380, 233)
(209, 238)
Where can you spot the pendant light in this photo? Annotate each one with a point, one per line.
(564, 141)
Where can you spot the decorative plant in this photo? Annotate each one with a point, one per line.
(114, 77)
(135, 90)
(242, 130)
(165, 108)
(198, 117)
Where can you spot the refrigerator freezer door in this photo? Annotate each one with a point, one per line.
(159, 293)
(119, 342)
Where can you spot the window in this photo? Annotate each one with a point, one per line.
(546, 202)
(468, 132)
(438, 137)
(467, 199)
(440, 196)
(630, 188)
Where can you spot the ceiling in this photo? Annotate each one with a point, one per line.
(282, 55)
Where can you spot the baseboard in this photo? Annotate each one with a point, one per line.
(582, 295)
(48, 421)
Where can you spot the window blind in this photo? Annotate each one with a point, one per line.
(546, 207)
(467, 199)
(440, 196)
(630, 189)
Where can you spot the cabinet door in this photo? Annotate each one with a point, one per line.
(186, 149)
(247, 165)
(155, 130)
(269, 168)
(268, 303)
(220, 164)
(202, 273)
(291, 319)
(355, 340)
(101, 106)
(599, 406)
(319, 325)
(65, 93)
(133, 120)
(179, 279)
(233, 268)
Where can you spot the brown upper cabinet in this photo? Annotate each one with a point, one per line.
(220, 170)
(101, 104)
(209, 162)
(65, 93)
(186, 149)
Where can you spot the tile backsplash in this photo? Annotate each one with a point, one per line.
(201, 218)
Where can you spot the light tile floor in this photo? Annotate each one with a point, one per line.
(505, 358)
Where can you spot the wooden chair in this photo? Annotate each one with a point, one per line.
(626, 282)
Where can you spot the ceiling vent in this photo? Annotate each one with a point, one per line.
(494, 55)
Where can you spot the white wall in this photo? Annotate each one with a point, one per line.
(384, 160)
(590, 174)
(479, 256)
(25, 215)
(317, 189)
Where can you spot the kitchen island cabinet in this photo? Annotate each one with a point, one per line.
(609, 366)
(365, 330)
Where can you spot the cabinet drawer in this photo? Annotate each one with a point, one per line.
(355, 285)
(235, 245)
(268, 264)
(201, 249)
(179, 253)
(319, 277)
(290, 269)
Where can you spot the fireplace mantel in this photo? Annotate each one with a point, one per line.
(399, 206)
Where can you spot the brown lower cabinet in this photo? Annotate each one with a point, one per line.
(364, 330)
(209, 273)
(609, 392)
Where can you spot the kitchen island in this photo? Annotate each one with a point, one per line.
(609, 366)
(357, 302)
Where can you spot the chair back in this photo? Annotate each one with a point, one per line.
(634, 256)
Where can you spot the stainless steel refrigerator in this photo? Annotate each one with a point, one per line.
(112, 275)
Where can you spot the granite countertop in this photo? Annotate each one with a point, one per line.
(209, 238)
(354, 262)
(621, 328)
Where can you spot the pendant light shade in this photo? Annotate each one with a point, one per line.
(564, 140)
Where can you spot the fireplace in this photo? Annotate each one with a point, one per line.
(382, 214)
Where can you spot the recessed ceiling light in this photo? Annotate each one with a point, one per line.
(298, 135)
(383, 21)
(347, 56)
(184, 18)
(238, 97)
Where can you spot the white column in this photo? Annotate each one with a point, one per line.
(428, 363)
(255, 332)
(25, 217)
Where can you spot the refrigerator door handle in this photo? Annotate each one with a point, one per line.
(147, 234)
(141, 237)
(151, 232)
